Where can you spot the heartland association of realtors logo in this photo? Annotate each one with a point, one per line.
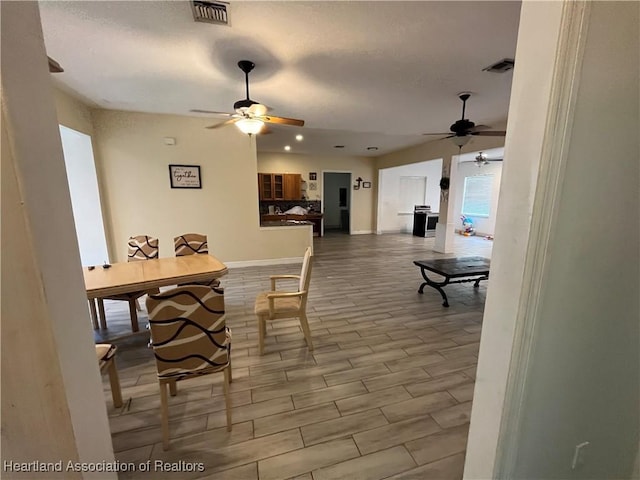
(36, 466)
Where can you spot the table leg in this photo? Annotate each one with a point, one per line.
(134, 314)
(437, 285)
(103, 317)
(477, 282)
(94, 313)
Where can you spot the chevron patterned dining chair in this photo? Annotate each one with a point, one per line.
(194, 244)
(140, 247)
(189, 338)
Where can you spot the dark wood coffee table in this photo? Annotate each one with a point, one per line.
(470, 269)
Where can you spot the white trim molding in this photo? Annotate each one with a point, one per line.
(264, 262)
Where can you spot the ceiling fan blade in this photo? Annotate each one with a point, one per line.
(479, 128)
(54, 67)
(195, 110)
(265, 130)
(282, 120)
(490, 133)
(218, 125)
(441, 133)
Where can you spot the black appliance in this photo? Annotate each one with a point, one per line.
(424, 221)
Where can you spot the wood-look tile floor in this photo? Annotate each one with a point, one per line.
(385, 394)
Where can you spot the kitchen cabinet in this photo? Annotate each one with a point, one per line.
(271, 186)
(280, 186)
(292, 186)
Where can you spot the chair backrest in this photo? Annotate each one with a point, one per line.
(188, 330)
(190, 244)
(305, 273)
(142, 247)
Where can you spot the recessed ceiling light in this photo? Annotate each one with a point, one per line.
(299, 137)
(287, 147)
(372, 148)
(338, 146)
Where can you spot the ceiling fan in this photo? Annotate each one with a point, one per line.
(464, 129)
(251, 116)
(482, 159)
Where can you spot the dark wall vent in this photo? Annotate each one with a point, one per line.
(502, 66)
(210, 12)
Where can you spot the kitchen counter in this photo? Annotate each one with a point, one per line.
(288, 220)
(284, 223)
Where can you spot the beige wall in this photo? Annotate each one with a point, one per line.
(133, 164)
(72, 112)
(362, 201)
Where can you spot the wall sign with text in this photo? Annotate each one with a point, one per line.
(185, 176)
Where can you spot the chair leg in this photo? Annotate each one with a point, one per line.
(94, 313)
(134, 315)
(305, 328)
(173, 388)
(116, 393)
(230, 371)
(227, 397)
(262, 326)
(164, 415)
(103, 317)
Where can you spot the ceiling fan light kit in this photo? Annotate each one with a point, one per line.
(460, 141)
(251, 116)
(250, 126)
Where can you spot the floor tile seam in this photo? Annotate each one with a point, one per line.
(208, 474)
(253, 402)
(305, 446)
(342, 437)
(234, 421)
(158, 425)
(299, 426)
(408, 399)
(329, 401)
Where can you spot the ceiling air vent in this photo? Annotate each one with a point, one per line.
(210, 12)
(502, 66)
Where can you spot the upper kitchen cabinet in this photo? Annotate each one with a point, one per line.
(292, 186)
(271, 186)
(280, 186)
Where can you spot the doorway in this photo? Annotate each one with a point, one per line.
(336, 202)
(85, 196)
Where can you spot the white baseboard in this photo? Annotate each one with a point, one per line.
(362, 232)
(264, 262)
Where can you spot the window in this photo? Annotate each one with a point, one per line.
(476, 200)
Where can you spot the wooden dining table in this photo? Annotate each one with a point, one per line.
(143, 275)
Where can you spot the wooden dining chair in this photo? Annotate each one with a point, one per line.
(194, 244)
(140, 247)
(276, 304)
(189, 338)
(106, 356)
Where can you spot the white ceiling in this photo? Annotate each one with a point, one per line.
(359, 73)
